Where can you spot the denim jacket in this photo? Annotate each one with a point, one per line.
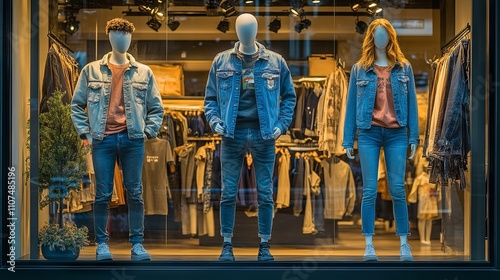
(361, 100)
(274, 91)
(142, 100)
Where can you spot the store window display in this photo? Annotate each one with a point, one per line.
(249, 100)
(382, 109)
(115, 107)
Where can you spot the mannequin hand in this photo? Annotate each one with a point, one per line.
(413, 150)
(85, 143)
(350, 152)
(219, 129)
(276, 133)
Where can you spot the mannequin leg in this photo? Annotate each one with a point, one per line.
(103, 158)
(369, 151)
(131, 152)
(263, 158)
(395, 148)
(421, 230)
(232, 154)
(428, 230)
(369, 240)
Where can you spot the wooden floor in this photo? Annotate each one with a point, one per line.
(349, 246)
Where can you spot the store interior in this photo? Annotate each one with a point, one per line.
(180, 39)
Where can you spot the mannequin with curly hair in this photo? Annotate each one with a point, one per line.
(382, 111)
(116, 106)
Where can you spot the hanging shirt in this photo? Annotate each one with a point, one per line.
(156, 190)
(116, 121)
(383, 109)
(247, 109)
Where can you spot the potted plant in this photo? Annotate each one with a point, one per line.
(62, 166)
(62, 242)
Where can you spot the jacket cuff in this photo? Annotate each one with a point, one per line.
(149, 134)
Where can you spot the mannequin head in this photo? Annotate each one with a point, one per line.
(120, 34)
(381, 37)
(381, 34)
(246, 29)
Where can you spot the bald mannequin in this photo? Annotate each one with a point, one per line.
(246, 30)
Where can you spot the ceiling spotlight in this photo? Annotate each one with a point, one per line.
(275, 25)
(223, 25)
(71, 25)
(355, 7)
(249, 2)
(361, 26)
(374, 11)
(173, 24)
(154, 24)
(372, 5)
(316, 1)
(296, 12)
(211, 7)
(227, 8)
(302, 24)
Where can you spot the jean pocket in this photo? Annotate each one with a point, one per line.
(361, 86)
(140, 92)
(403, 84)
(271, 80)
(224, 79)
(94, 92)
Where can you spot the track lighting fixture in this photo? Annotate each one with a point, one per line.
(223, 25)
(157, 10)
(296, 12)
(361, 26)
(71, 25)
(227, 8)
(211, 7)
(154, 24)
(371, 6)
(275, 25)
(173, 24)
(304, 23)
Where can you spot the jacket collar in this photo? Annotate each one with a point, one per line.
(263, 52)
(397, 64)
(105, 60)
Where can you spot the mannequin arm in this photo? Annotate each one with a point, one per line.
(276, 133)
(413, 150)
(211, 102)
(350, 153)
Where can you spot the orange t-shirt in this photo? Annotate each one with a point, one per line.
(116, 121)
(383, 109)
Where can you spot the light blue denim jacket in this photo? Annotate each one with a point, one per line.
(142, 100)
(361, 100)
(274, 91)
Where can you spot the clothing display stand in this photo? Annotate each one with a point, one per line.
(54, 38)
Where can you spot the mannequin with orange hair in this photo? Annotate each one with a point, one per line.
(382, 111)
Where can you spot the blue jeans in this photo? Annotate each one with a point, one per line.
(104, 155)
(395, 144)
(233, 151)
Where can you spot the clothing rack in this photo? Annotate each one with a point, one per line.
(204, 138)
(183, 108)
(310, 79)
(301, 149)
(464, 32)
(58, 41)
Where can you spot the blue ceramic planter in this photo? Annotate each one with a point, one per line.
(58, 254)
